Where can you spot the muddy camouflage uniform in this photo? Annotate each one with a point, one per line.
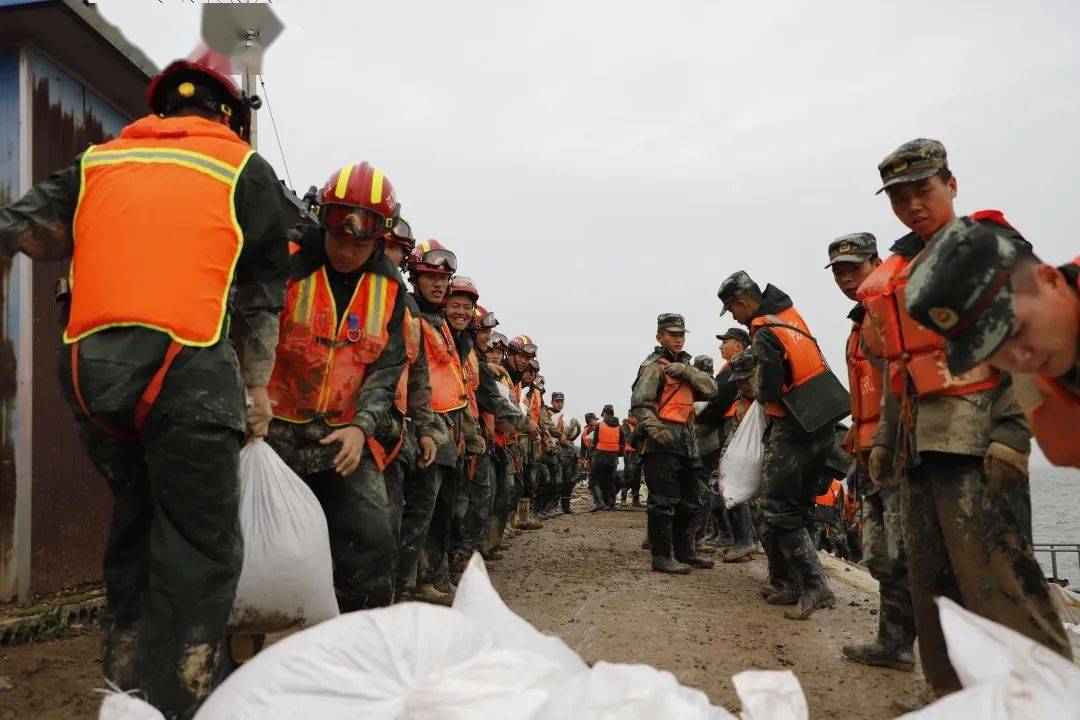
(357, 508)
(965, 542)
(173, 553)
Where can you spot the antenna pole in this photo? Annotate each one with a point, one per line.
(248, 85)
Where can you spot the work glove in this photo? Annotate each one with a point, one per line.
(881, 464)
(1005, 468)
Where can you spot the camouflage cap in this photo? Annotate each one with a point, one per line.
(960, 289)
(742, 365)
(733, 287)
(704, 363)
(671, 322)
(557, 396)
(852, 248)
(735, 333)
(914, 160)
(608, 409)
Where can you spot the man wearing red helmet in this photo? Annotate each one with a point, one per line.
(522, 368)
(340, 357)
(410, 420)
(176, 230)
(505, 449)
(487, 408)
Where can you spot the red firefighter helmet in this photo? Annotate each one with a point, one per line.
(523, 344)
(401, 234)
(430, 256)
(462, 285)
(483, 319)
(184, 83)
(498, 341)
(360, 200)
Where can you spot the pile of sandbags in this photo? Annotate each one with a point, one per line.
(475, 660)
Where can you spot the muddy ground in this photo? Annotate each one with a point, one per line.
(585, 579)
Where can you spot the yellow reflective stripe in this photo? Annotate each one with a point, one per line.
(376, 186)
(376, 306)
(302, 311)
(193, 160)
(343, 182)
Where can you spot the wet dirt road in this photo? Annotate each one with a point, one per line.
(585, 578)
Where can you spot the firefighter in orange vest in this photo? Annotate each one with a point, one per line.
(662, 399)
(410, 423)
(1020, 314)
(608, 442)
(852, 258)
(957, 442)
(430, 494)
(490, 411)
(176, 230)
(341, 353)
(522, 368)
(789, 368)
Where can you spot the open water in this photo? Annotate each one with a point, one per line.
(1055, 508)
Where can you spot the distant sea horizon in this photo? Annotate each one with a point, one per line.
(1055, 509)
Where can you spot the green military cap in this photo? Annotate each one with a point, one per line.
(672, 322)
(735, 333)
(960, 289)
(704, 363)
(852, 248)
(914, 160)
(557, 396)
(742, 365)
(733, 287)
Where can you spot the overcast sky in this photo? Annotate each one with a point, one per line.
(594, 164)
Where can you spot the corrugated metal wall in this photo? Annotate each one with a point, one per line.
(9, 318)
(71, 503)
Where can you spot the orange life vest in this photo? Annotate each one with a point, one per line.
(1053, 412)
(607, 437)
(448, 391)
(851, 508)
(911, 349)
(738, 408)
(586, 437)
(676, 401)
(321, 361)
(535, 403)
(864, 381)
(830, 497)
(803, 357)
(155, 233)
(472, 382)
(411, 327)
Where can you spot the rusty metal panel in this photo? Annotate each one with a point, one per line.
(71, 503)
(9, 320)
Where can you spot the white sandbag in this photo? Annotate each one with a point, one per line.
(287, 577)
(1067, 603)
(477, 599)
(740, 468)
(1005, 675)
(770, 695)
(610, 691)
(407, 661)
(121, 706)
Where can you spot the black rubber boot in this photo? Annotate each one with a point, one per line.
(893, 647)
(685, 550)
(778, 569)
(805, 565)
(567, 510)
(660, 540)
(598, 498)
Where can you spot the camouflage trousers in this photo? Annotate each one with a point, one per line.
(502, 468)
(422, 491)
(174, 550)
(438, 541)
(885, 556)
(792, 474)
(569, 475)
(970, 546)
(475, 494)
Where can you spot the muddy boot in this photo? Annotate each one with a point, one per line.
(567, 510)
(778, 569)
(804, 563)
(427, 593)
(525, 511)
(739, 554)
(661, 541)
(598, 499)
(685, 544)
(637, 500)
(766, 590)
(788, 594)
(893, 647)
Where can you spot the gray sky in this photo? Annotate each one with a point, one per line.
(593, 164)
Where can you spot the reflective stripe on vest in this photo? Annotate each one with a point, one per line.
(320, 368)
(801, 353)
(865, 383)
(472, 381)
(164, 256)
(411, 327)
(912, 350)
(448, 392)
(607, 438)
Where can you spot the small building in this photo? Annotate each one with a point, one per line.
(67, 79)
